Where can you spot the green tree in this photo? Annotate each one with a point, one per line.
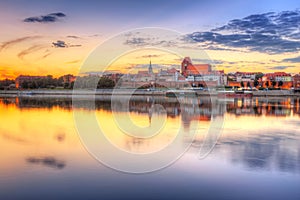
(258, 76)
(256, 83)
(248, 84)
(105, 82)
(242, 84)
(267, 84)
(24, 85)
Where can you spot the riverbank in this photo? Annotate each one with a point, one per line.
(125, 92)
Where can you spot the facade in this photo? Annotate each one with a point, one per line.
(168, 75)
(245, 76)
(282, 80)
(189, 69)
(202, 74)
(242, 78)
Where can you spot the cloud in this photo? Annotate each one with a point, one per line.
(63, 44)
(60, 44)
(73, 62)
(30, 50)
(281, 67)
(50, 18)
(73, 37)
(146, 66)
(75, 45)
(95, 35)
(271, 33)
(150, 56)
(60, 137)
(292, 60)
(139, 41)
(46, 161)
(200, 60)
(46, 55)
(13, 138)
(10, 43)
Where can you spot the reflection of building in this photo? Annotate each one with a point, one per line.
(260, 107)
(296, 106)
(296, 81)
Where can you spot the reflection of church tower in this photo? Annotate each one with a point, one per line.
(151, 110)
(150, 70)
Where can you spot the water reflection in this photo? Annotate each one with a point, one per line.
(256, 142)
(271, 150)
(37, 136)
(256, 106)
(46, 161)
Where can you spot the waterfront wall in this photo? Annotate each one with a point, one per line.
(69, 93)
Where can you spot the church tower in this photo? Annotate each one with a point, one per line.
(150, 70)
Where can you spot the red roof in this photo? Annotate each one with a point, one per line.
(276, 74)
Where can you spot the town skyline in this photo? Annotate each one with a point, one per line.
(189, 74)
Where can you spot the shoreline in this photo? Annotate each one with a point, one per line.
(126, 92)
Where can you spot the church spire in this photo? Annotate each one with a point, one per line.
(150, 70)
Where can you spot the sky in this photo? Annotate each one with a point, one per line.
(57, 37)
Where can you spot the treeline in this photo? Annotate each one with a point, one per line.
(43, 82)
(81, 82)
(90, 82)
(6, 83)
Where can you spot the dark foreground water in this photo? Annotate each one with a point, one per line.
(256, 157)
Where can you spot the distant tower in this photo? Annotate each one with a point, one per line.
(150, 70)
(186, 63)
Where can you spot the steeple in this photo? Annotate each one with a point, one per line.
(150, 70)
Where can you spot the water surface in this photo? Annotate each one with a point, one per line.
(256, 157)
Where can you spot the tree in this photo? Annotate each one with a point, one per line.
(105, 82)
(258, 76)
(248, 84)
(274, 83)
(267, 84)
(280, 84)
(242, 84)
(256, 83)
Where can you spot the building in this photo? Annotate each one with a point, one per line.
(277, 79)
(145, 75)
(245, 76)
(242, 79)
(202, 75)
(212, 78)
(150, 69)
(190, 69)
(69, 78)
(168, 75)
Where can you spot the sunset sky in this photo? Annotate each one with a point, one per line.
(55, 37)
